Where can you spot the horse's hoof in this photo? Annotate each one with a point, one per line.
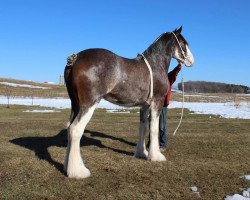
(142, 155)
(158, 157)
(81, 173)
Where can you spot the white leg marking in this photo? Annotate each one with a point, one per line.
(154, 150)
(141, 151)
(73, 161)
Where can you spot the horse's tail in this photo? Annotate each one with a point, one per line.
(68, 81)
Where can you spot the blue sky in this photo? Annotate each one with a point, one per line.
(37, 35)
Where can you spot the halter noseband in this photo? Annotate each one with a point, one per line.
(182, 52)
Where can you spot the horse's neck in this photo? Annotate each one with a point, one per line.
(159, 54)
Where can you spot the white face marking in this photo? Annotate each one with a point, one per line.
(190, 58)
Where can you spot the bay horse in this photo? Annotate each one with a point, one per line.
(95, 74)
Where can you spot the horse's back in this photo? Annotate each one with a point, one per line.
(95, 54)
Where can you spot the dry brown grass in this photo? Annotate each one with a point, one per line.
(210, 153)
(53, 91)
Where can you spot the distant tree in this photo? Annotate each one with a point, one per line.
(213, 87)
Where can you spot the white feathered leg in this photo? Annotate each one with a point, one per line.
(154, 150)
(73, 164)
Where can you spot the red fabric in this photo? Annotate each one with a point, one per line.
(172, 78)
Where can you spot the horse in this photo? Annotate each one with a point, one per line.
(95, 74)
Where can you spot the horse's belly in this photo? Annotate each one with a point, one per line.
(127, 101)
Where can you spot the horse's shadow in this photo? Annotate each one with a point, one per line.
(40, 145)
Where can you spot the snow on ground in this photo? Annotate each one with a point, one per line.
(23, 85)
(44, 102)
(117, 111)
(194, 189)
(246, 177)
(245, 196)
(42, 111)
(60, 103)
(226, 110)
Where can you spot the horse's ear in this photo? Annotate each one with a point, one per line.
(178, 31)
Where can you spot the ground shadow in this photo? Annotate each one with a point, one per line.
(40, 145)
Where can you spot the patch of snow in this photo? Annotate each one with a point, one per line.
(247, 177)
(226, 110)
(23, 85)
(176, 90)
(241, 105)
(108, 105)
(247, 95)
(41, 111)
(60, 103)
(194, 189)
(246, 193)
(117, 111)
(245, 196)
(44, 102)
(51, 83)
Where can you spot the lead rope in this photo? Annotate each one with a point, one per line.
(151, 78)
(182, 110)
(182, 83)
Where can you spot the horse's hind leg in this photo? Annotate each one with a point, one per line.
(140, 151)
(154, 150)
(73, 164)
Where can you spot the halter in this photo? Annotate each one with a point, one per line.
(150, 69)
(182, 52)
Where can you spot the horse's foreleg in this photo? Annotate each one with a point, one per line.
(73, 163)
(154, 150)
(141, 151)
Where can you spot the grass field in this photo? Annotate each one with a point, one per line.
(208, 152)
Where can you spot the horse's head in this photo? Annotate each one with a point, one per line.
(181, 50)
